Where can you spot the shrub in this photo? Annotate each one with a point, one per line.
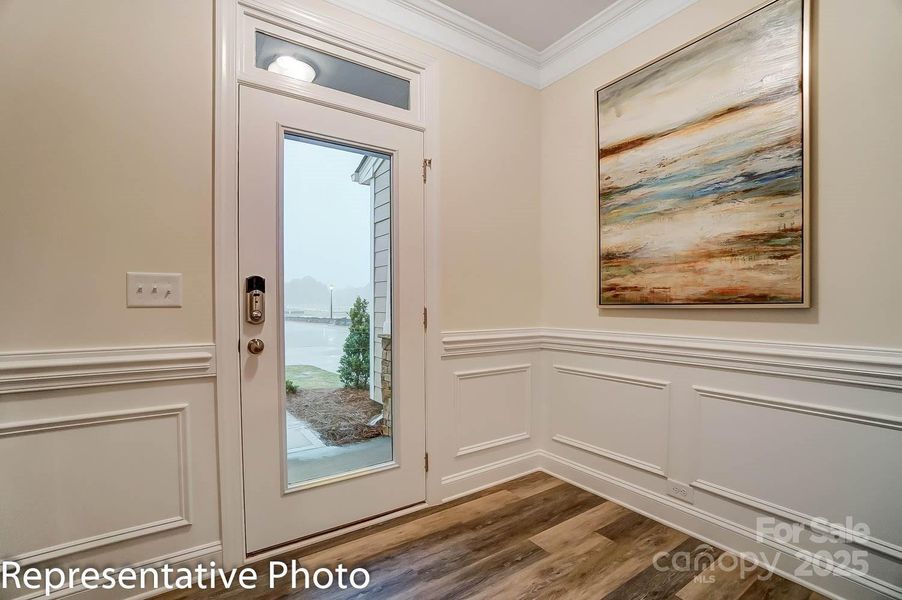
(290, 387)
(354, 367)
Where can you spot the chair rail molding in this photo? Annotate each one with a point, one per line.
(61, 369)
(447, 28)
(879, 368)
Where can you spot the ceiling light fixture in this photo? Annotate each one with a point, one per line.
(292, 67)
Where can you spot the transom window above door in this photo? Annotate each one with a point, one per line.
(288, 56)
(310, 65)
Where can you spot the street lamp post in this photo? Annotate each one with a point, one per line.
(331, 289)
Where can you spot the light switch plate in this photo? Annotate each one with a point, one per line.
(153, 290)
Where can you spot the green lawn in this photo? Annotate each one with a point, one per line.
(310, 378)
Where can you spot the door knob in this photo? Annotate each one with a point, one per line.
(255, 346)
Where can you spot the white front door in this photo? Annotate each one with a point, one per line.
(331, 243)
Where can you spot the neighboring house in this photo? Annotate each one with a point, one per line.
(375, 172)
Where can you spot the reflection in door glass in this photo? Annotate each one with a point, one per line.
(337, 305)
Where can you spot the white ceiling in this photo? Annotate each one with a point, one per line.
(536, 23)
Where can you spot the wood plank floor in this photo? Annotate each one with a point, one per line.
(534, 537)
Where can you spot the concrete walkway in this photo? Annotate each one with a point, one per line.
(300, 436)
(323, 461)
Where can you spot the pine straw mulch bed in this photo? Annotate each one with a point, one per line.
(339, 416)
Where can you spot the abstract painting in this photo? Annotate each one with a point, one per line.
(702, 167)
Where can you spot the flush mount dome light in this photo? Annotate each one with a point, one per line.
(292, 67)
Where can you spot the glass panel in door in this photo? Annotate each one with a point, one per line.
(337, 356)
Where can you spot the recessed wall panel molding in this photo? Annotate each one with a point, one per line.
(92, 480)
(879, 368)
(755, 450)
(620, 411)
(619, 417)
(32, 371)
(492, 407)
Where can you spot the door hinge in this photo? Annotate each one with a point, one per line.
(426, 462)
(425, 317)
(427, 164)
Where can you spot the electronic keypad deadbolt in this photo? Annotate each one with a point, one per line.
(255, 298)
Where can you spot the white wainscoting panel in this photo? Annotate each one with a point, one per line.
(599, 412)
(65, 494)
(800, 458)
(108, 458)
(802, 435)
(484, 422)
(493, 407)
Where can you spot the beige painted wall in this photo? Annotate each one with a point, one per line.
(106, 167)
(105, 164)
(857, 201)
(96, 184)
(488, 171)
(490, 199)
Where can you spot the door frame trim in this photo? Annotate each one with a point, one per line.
(227, 307)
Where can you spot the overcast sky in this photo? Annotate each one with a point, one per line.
(327, 220)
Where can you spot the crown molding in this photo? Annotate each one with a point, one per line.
(456, 32)
(454, 19)
(610, 28)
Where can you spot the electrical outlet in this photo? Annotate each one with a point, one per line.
(679, 490)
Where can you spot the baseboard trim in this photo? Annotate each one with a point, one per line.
(485, 476)
(563, 468)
